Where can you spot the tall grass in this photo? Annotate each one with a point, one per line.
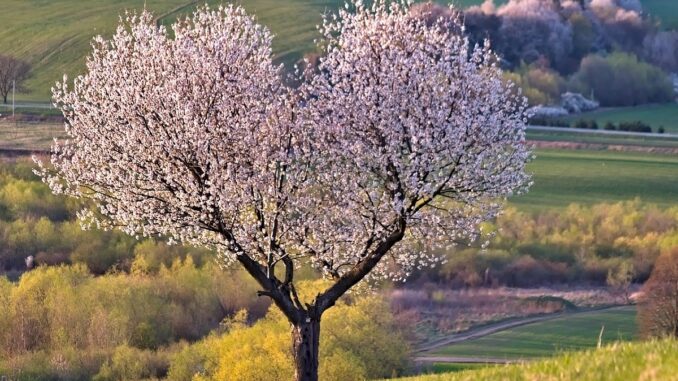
(647, 361)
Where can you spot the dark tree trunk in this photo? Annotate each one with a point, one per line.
(305, 345)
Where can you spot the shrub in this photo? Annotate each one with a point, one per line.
(657, 311)
(359, 342)
(620, 79)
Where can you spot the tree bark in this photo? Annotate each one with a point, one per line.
(305, 345)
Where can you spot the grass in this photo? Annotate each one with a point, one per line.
(53, 36)
(641, 141)
(665, 115)
(663, 9)
(449, 368)
(562, 177)
(28, 136)
(543, 339)
(647, 361)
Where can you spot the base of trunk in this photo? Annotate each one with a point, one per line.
(305, 343)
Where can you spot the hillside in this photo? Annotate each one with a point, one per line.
(58, 43)
(647, 361)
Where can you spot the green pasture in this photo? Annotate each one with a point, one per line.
(647, 361)
(665, 115)
(54, 36)
(603, 139)
(570, 332)
(664, 10)
(562, 177)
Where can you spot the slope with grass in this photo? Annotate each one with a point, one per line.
(647, 361)
(546, 338)
(562, 177)
(53, 36)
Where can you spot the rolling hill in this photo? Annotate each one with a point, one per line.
(649, 361)
(53, 35)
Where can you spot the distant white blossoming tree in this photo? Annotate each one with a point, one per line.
(404, 139)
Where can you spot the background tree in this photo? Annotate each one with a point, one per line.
(621, 279)
(12, 70)
(658, 309)
(405, 140)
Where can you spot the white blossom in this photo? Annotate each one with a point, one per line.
(405, 139)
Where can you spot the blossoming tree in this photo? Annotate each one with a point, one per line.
(404, 139)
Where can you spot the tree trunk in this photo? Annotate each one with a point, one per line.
(305, 344)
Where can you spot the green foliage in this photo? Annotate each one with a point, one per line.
(611, 244)
(130, 364)
(53, 310)
(620, 79)
(541, 85)
(648, 361)
(359, 341)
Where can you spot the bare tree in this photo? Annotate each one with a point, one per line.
(405, 139)
(658, 308)
(12, 73)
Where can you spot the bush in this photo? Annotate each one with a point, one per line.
(620, 79)
(578, 244)
(586, 124)
(541, 85)
(359, 342)
(636, 126)
(657, 311)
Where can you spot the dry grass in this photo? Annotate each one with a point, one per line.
(435, 312)
(28, 136)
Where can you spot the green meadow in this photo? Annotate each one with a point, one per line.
(543, 339)
(603, 139)
(54, 36)
(647, 361)
(562, 177)
(661, 115)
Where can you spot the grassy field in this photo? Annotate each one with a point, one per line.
(562, 177)
(663, 9)
(623, 140)
(646, 361)
(28, 136)
(543, 339)
(54, 35)
(665, 115)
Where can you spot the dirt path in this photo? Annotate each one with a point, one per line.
(487, 330)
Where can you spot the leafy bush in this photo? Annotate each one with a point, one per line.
(620, 79)
(541, 85)
(579, 244)
(359, 342)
